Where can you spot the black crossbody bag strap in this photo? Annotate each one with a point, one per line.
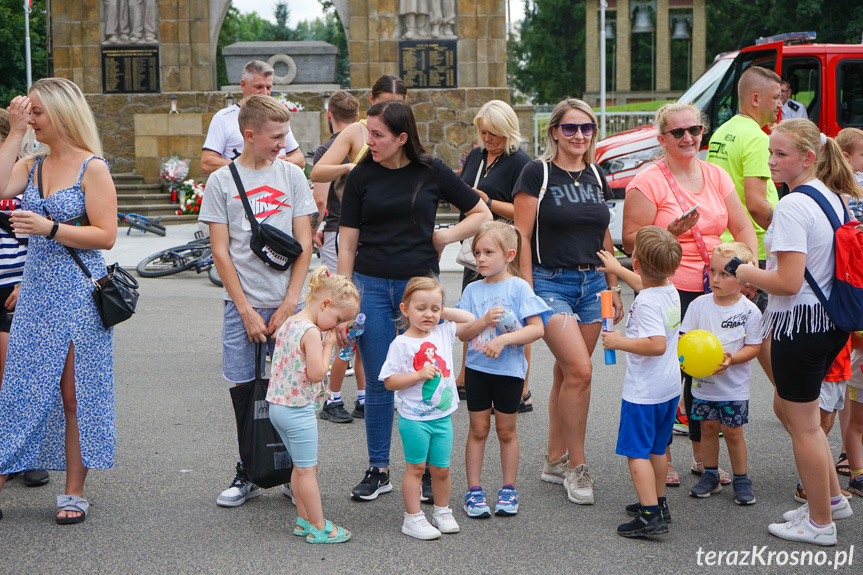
(253, 222)
(50, 217)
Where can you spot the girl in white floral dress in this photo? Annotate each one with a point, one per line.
(300, 362)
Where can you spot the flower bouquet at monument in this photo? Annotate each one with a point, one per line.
(191, 196)
(172, 173)
(291, 105)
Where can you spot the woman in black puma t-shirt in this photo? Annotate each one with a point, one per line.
(567, 223)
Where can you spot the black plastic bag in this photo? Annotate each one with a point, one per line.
(266, 461)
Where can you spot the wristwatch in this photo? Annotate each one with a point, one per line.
(488, 203)
(615, 289)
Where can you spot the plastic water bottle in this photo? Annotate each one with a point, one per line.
(355, 330)
(508, 323)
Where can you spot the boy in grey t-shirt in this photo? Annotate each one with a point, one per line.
(258, 298)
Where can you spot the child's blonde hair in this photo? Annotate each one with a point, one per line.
(848, 138)
(421, 283)
(338, 288)
(257, 110)
(506, 237)
(657, 251)
(736, 249)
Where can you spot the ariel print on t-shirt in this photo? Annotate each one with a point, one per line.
(427, 354)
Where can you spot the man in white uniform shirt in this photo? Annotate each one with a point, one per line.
(224, 141)
(791, 108)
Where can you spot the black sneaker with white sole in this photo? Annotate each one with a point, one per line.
(336, 412)
(643, 526)
(373, 484)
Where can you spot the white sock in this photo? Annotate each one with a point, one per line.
(334, 397)
(361, 396)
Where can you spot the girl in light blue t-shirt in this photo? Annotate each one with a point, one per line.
(509, 316)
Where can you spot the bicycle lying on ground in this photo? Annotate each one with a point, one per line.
(195, 255)
(142, 223)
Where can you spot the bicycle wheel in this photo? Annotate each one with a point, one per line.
(171, 261)
(213, 274)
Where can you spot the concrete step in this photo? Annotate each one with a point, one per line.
(142, 199)
(123, 189)
(150, 210)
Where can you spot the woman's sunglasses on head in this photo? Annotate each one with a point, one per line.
(693, 131)
(569, 130)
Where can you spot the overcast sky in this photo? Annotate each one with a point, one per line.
(311, 9)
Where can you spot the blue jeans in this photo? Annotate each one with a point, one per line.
(380, 299)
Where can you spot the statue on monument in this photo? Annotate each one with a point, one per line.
(427, 19)
(130, 21)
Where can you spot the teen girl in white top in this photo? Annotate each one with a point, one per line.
(805, 341)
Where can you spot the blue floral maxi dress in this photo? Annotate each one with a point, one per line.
(56, 309)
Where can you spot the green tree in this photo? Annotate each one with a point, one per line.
(13, 66)
(549, 54)
(280, 31)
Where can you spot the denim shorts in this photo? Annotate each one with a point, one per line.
(729, 413)
(238, 353)
(570, 291)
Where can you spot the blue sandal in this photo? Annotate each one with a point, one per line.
(302, 528)
(323, 535)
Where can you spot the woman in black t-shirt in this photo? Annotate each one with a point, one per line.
(386, 237)
(492, 170)
(567, 223)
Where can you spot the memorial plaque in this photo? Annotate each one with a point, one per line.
(130, 69)
(428, 63)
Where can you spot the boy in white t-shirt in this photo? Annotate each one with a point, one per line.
(651, 387)
(721, 400)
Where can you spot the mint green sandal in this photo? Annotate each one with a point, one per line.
(323, 535)
(302, 528)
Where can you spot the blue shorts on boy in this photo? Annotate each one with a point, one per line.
(645, 429)
(735, 325)
(651, 386)
(513, 294)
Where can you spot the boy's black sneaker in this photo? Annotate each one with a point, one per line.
(373, 484)
(359, 411)
(427, 495)
(336, 412)
(642, 527)
(633, 508)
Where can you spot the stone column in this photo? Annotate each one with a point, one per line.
(699, 38)
(624, 47)
(592, 52)
(663, 47)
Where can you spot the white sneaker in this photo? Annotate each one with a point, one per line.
(554, 471)
(579, 485)
(443, 519)
(841, 510)
(240, 490)
(802, 530)
(417, 526)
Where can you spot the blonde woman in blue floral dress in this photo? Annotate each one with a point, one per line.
(300, 362)
(57, 398)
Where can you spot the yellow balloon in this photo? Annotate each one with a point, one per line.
(700, 353)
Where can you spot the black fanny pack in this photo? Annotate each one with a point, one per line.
(274, 247)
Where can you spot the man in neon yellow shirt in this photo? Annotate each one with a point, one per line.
(739, 146)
